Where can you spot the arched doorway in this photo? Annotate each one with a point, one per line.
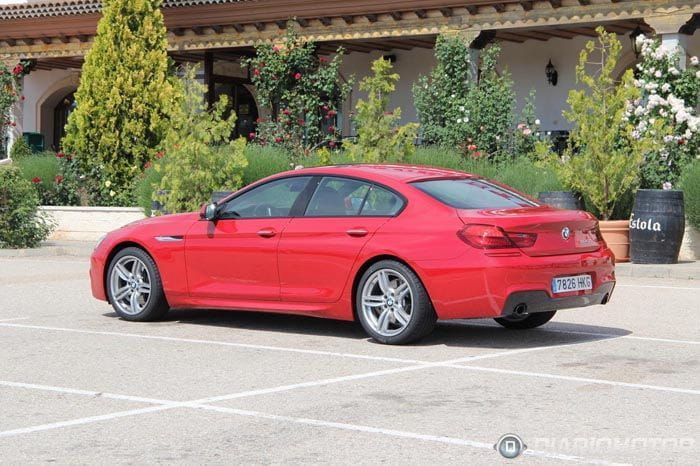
(242, 102)
(61, 111)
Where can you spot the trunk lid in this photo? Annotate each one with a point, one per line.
(558, 231)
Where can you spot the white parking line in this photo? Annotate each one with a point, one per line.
(163, 405)
(83, 420)
(73, 391)
(570, 378)
(398, 433)
(217, 342)
(14, 319)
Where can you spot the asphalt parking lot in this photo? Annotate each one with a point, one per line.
(609, 384)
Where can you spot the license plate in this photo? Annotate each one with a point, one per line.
(574, 283)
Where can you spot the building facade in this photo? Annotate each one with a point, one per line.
(56, 34)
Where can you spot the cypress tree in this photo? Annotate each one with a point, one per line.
(123, 100)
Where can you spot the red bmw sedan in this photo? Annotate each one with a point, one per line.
(394, 246)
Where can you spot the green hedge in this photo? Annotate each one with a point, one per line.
(690, 184)
(21, 226)
(522, 174)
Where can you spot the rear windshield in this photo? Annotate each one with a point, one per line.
(470, 193)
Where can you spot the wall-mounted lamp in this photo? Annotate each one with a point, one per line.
(551, 73)
(636, 46)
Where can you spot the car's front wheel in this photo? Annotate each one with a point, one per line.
(392, 304)
(526, 321)
(134, 287)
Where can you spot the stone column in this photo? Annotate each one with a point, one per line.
(668, 28)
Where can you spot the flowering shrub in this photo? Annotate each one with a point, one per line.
(54, 177)
(671, 95)
(21, 226)
(9, 91)
(302, 93)
(476, 117)
(379, 138)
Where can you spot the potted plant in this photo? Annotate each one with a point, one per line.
(604, 152)
(669, 95)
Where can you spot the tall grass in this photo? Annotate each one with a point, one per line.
(43, 165)
(525, 176)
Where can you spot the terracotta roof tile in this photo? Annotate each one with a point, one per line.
(35, 9)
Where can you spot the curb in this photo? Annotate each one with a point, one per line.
(82, 249)
(680, 271)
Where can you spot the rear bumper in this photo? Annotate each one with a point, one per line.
(476, 285)
(540, 301)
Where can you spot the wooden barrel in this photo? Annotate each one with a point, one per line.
(561, 199)
(657, 224)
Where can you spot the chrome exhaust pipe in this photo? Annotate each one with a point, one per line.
(520, 309)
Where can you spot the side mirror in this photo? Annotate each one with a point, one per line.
(208, 211)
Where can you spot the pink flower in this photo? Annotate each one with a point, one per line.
(275, 49)
(521, 125)
(331, 129)
(18, 69)
(471, 147)
(59, 178)
(527, 131)
(36, 180)
(297, 76)
(251, 136)
(60, 155)
(256, 72)
(160, 154)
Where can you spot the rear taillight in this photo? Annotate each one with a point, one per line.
(493, 237)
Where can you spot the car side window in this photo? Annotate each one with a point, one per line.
(337, 197)
(273, 199)
(381, 202)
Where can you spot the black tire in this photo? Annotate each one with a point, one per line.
(422, 317)
(156, 305)
(530, 321)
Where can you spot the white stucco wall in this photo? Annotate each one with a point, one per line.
(526, 62)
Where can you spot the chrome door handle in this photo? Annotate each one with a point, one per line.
(357, 232)
(267, 233)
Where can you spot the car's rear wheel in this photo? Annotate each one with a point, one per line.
(392, 304)
(134, 287)
(526, 321)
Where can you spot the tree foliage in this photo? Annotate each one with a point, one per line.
(379, 137)
(604, 153)
(301, 92)
(199, 156)
(123, 101)
(479, 118)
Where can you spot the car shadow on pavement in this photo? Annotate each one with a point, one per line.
(479, 333)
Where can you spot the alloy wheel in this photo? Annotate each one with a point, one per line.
(130, 285)
(387, 302)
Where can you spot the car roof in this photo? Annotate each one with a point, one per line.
(396, 172)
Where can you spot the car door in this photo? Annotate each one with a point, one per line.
(317, 250)
(235, 256)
